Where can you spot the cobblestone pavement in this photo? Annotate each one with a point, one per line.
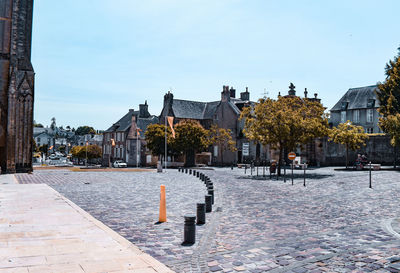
(334, 224)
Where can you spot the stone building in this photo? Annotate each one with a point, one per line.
(16, 86)
(225, 113)
(129, 146)
(360, 106)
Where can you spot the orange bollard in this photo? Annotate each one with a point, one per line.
(163, 205)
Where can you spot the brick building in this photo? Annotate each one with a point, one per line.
(129, 146)
(225, 113)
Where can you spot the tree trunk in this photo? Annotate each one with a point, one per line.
(189, 158)
(347, 155)
(395, 157)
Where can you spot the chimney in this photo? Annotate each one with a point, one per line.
(225, 94)
(168, 98)
(292, 92)
(144, 110)
(232, 92)
(131, 110)
(305, 93)
(245, 95)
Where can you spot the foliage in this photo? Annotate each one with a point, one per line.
(93, 151)
(38, 125)
(62, 149)
(222, 138)
(190, 137)
(284, 123)
(84, 130)
(35, 148)
(352, 136)
(43, 148)
(155, 139)
(389, 97)
(53, 123)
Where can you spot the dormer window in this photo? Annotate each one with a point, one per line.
(371, 103)
(344, 105)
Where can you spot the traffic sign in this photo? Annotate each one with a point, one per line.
(245, 149)
(292, 156)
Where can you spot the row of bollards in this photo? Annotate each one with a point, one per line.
(189, 237)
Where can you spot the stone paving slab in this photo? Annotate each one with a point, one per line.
(334, 224)
(41, 231)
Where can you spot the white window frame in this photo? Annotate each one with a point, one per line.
(356, 116)
(343, 117)
(370, 115)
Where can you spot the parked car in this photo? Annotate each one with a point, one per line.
(119, 164)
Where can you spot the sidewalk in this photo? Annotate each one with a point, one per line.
(41, 231)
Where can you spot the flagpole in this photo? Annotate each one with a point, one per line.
(166, 158)
(137, 148)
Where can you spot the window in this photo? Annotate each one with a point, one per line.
(343, 117)
(369, 130)
(356, 116)
(370, 115)
(38, 140)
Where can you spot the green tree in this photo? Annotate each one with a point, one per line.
(35, 148)
(84, 130)
(155, 139)
(284, 123)
(39, 125)
(53, 123)
(389, 99)
(352, 136)
(93, 151)
(222, 138)
(61, 148)
(44, 149)
(190, 138)
(78, 152)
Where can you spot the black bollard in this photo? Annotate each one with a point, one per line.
(370, 176)
(211, 192)
(190, 171)
(186, 170)
(208, 199)
(189, 236)
(194, 172)
(197, 174)
(201, 213)
(210, 185)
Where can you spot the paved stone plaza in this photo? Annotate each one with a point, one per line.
(334, 224)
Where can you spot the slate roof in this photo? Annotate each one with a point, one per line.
(357, 98)
(124, 124)
(143, 123)
(194, 109)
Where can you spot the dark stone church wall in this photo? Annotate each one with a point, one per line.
(16, 86)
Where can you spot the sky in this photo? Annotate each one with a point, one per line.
(96, 59)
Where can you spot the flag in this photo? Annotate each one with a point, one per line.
(51, 147)
(87, 143)
(112, 142)
(171, 124)
(138, 131)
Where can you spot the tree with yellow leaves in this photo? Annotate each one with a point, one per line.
(190, 137)
(285, 123)
(352, 136)
(222, 138)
